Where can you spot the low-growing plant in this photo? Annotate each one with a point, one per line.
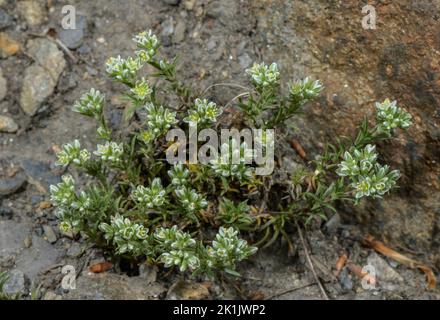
(4, 277)
(188, 215)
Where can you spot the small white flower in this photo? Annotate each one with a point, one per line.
(190, 200)
(159, 119)
(123, 70)
(63, 194)
(204, 112)
(263, 75)
(110, 152)
(90, 103)
(228, 248)
(72, 153)
(179, 175)
(233, 161)
(150, 197)
(305, 90)
(148, 44)
(389, 116)
(142, 90)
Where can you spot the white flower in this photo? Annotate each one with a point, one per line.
(72, 153)
(264, 75)
(233, 161)
(148, 44)
(305, 90)
(90, 103)
(179, 175)
(368, 177)
(389, 116)
(142, 90)
(227, 248)
(110, 152)
(190, 200)
(203, 112)
(127, 236)
(159, 119)
(63, 194)
(150, 197)
(123, 70)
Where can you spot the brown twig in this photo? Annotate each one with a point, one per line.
(309, 260)
(66, 50)
(276, 295)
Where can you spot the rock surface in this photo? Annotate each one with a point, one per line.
(38, 85)
(108, 286)
(32, 11)
(8, 46)
(11, 185)
(41, 78)
(387, 277)
(184, 290)
(16, 283)
(5, 19)
(7, 124)
(73, 38)
(3, 86)
(48, 56)
(39, 173)
(49, 234)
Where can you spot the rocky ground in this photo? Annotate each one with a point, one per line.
(216, 41)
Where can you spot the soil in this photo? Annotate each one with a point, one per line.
(216, 41)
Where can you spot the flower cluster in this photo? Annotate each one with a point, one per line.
(203, 113)
(263, 75)
(72, 153)
(150, 197)
(368, 178)
(147, 44)
(190, 200)
(233, 161)
(65, 226)
(227, 249)
(141, 90)
(64, 197)
(159, 120)
(179, 175)
(389, 116)
(63, 194)
(71, 207)
(111, 152)
(123, 70)
(127, 236)
(90, 104)
(178, 249)
(304, 90)
(379, 181)
(359, 162)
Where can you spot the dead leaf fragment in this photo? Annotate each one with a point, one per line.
(342, 260)
(8, 46)
(101, 267)
(256, 295)
(298, 148)
(44, 205)
(357, 270)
